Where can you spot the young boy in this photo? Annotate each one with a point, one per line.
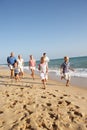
(65, 67)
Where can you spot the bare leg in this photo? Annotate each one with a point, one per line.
(67, 83)
(17, 78)
(44, 84)
(21, 74)
(12, 73)
(32, 74)
(62, 77)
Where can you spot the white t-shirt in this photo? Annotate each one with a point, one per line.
(20, 62)
(46, 59)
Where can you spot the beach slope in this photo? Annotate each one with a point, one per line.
(24, 105)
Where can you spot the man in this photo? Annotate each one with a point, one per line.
(46, 58)
(11, 60)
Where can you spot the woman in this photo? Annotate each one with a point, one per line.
(32, 66)
(20, 62)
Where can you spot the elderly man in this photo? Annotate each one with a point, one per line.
(11, 60)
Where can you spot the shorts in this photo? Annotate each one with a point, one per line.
(16, 74)
(44, 76)
(32, 68)
(67, 76)
(11, 67)
(21, 69)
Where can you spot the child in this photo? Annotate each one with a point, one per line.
(43, 67)
(16, 72)
(65, 67)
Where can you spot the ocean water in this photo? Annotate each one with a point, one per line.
(79, 64)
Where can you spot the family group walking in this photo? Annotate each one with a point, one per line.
(17, 68)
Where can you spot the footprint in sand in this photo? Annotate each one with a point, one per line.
(21, 95)
(53, 115)
(78, 114)
(55, 127)
(61, 97)
(2, 122)
(48, 104)
(67, 102)
(7, 95)
(21, 88)
(24, 116)
(29, 111)
(52, 94)
(57, 90)
(14, 127)
(14, 103)
(60, 102)
(83, 98)
(65, 95)
(28, 121)
(1, 112)
(43, 96)
(77, 107)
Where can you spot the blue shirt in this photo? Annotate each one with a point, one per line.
(11, 60)
(65, 66)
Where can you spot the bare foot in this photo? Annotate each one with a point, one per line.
(67, 85)
(62, 77)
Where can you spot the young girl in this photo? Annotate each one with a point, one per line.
(43, 67)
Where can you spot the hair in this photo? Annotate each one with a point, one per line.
(44, 53)
(42, 59)
(66, 57)
(31, 56)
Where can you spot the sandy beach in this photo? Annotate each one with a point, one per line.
(24, 105)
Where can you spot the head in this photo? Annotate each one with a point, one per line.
(66, 58)
(19, 56)
(44, 54)
(31, 56)
(12, 54)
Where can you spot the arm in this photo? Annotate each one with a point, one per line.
(8, 60)
(61, 69)
(46, 68)
(29, 63)
(39, 67)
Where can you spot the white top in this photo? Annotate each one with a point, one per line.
(46, 59)
(43, 68)
(20, 62)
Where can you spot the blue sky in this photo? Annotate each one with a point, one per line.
(57, 27)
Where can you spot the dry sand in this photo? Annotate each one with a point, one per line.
(24, 105)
